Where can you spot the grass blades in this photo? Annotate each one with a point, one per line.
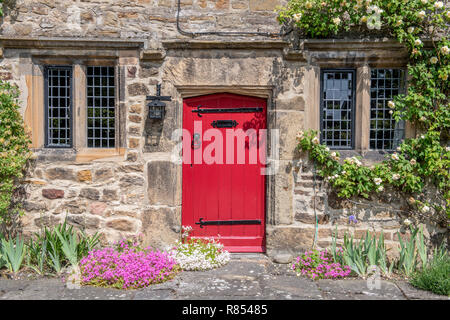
(13, 252)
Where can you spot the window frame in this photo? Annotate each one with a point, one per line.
(401, 90)
(353, 110)
(46, 107)
(116, 106)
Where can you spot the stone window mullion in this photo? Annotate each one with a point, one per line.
(362, 116)
(79, 94)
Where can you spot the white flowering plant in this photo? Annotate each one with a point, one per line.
(197, 254)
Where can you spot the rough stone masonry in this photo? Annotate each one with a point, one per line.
(135, 188)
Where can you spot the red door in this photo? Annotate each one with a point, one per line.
(224, 151)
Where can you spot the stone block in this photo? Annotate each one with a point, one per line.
(98, 208)
(289, 239)
(110, 195)
(58, 173)
(103, 174)
(84, 176)
(161, 226)
(90, 193)
(289, 123)
(263, 5)
(164, 183)
(121, 225)
(296, 103)
(138, 89)
(53, 193)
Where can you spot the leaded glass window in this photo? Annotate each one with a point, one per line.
(385, 132)
(101, 92)
(338, 108)
(58, 106)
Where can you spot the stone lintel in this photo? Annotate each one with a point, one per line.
(221, 44)
(152, 55)
(70, 43)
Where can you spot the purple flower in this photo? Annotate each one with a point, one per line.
(352, 219)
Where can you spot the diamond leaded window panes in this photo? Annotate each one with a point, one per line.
(101, 92)
(338, 108)
(58, 106)
(385, 132)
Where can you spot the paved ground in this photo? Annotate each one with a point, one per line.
(250, 277)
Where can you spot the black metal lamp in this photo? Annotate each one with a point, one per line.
(157, 108)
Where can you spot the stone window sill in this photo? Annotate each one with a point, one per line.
(79, 156)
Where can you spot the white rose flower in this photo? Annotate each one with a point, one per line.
(439, 5)
(407, 222)
(425, 209)
(394, 156)
(421, 14)
(380, 188)
(412, 161)
(337, 21)
(399, 23)
(391, 104)
(297, 16)
(315, 140)
(395, 176)
(391, 112)
(447, 149)
(445, 50)
(424, 1)
(418, 42)
(377, 181)
(411, 29)
(433, 60)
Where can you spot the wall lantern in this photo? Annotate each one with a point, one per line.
(156, 107)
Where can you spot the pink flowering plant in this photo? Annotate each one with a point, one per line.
(127, 266)
(320, 265)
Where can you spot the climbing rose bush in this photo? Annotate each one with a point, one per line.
(199, 254)
(422, 26)
(320, 265)
(127, 266)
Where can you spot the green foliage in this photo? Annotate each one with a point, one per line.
(365, 253)
(435, 277)
(14, 151)
(13, 252)
(419, 160)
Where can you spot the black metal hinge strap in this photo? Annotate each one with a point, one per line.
(199, 110)
(202, 223)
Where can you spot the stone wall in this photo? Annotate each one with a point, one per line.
(136, 188)
(144, 19)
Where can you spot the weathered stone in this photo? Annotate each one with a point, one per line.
(76, 206)
(90, 193)
(136, 108)
(263, 5)
(46, 221)
(121, 225)
(291, 103)
(163, 177)
(133, 130)
(110, 195)
(59, 173)
(34, 206)
(131, 72)
(131, 181)
(147, 72)
(161, 226)
(131, 168)
(84, 221)
(132, 156)
(53, 193)
(84, 176)
(135, 118)
(133, 142)
(289, 239)
(97, 208)
(283, 258)
(103, 174)
(138, 89)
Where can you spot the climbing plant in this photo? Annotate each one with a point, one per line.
(422, 26)
(14, 150)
